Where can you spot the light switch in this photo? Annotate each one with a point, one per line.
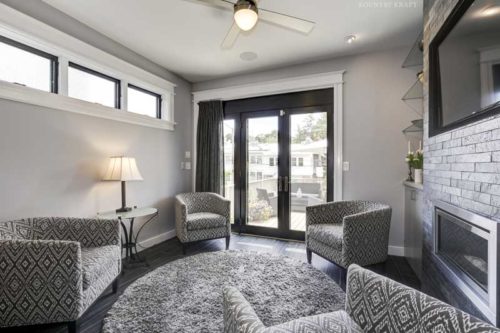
(345, 166)
(187, 154)
(188, 165)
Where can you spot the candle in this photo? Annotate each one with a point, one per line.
(409, 147)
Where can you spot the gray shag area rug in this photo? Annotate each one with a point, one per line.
(186, 295)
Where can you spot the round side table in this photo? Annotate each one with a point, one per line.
(130, 244)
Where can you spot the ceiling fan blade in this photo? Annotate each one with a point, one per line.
(231, 37)
(222, 4)
(290, 22)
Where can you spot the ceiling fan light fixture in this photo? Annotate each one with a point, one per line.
(246, 14)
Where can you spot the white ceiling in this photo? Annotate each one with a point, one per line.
(184, 36)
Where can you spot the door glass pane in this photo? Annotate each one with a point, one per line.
(308, 165)
(229, 163)
(262, 172)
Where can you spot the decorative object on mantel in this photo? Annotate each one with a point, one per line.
(123, 169)
(415, 160)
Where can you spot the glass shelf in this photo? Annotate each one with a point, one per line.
(416, 56)
(417, 126)
(415, 92)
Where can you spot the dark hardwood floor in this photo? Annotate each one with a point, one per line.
(395, 268)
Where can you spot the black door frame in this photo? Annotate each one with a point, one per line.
(292, 103)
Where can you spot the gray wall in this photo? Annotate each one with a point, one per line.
(52, 161)
(374, 116)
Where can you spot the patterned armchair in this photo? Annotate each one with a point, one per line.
(53, 269)
(348, 232)
(202, 216)
(373, 304)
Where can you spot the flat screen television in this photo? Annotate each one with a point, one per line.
(464, 66)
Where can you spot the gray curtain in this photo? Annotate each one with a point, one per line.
(210, 148)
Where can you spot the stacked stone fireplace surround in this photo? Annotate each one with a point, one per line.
(462, 167)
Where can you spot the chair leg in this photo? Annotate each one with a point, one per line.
(309, 255)
(227, 242)
(114, 286)
(72, 327)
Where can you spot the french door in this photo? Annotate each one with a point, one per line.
(278, 162)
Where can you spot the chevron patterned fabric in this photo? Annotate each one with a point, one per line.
(349, 232)
(53, 269)
(373, 304)
(202, 215)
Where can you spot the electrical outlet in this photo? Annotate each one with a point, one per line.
(345, 166)
(187, 154)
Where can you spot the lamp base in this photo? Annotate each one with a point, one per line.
(123, 209)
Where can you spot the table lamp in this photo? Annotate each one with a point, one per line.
(123, 169)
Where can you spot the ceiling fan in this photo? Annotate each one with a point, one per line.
(246, 15)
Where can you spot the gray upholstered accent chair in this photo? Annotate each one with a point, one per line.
(53, 269)
(373, 304)
(202, 216)
(348, 232)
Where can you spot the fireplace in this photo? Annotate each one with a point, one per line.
(466, 245)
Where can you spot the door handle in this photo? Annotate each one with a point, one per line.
(286, 184)
(280, 186)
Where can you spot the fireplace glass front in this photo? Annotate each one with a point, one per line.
(464, 247)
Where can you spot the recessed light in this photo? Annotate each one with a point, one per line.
(350, 39)
(248, 56)
(491, 11)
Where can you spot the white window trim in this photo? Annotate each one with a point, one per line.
(27, 30)
(334, 80)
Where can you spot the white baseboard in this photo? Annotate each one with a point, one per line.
(142, 245)
(396, 251)
(393, 250)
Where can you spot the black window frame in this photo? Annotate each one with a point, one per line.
(436, 125)
(54, 61)
(116, 81)
(157, 96)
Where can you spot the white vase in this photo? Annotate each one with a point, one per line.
(419, 175)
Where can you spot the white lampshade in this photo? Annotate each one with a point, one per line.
(246, 18)
(123, 169)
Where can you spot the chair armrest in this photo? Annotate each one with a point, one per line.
(374, 225)
(401, 306)
(181, 212)
(366, 236)
(220, 205)
(88, 232)
(36, 272)
(327, 213)
(338, 321)
(239, 317)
